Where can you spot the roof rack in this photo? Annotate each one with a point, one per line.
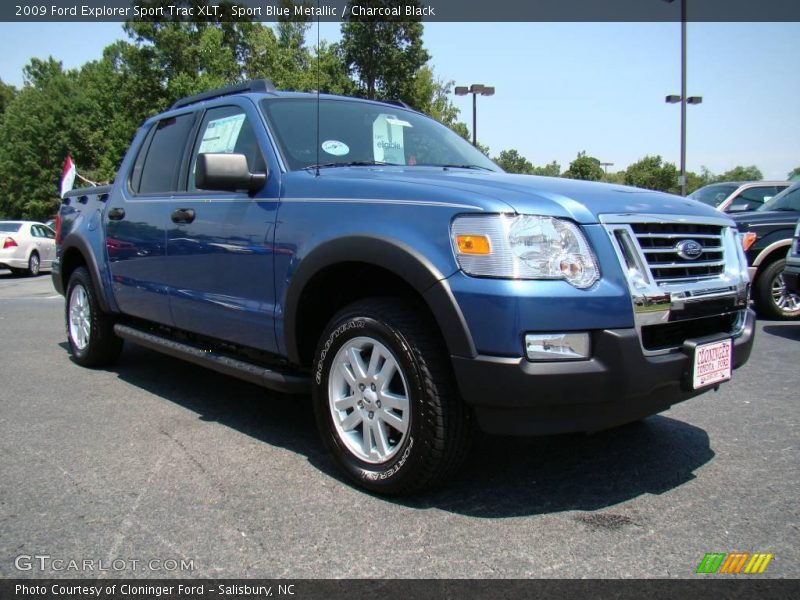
(254, 85)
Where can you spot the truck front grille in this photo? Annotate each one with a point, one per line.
(660, 245)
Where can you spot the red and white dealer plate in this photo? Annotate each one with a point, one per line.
(712, 363)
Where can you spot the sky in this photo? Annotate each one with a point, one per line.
(563, 88)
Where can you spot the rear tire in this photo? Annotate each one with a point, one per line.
(34, 264)
(90, 331)
(380, 365)
(773, 300)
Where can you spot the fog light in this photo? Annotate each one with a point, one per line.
(557, 346)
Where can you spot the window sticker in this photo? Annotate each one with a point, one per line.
(221, 135)
(396, 121)
(335, 147)
(387, 139)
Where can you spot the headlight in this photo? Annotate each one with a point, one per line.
(524, 247)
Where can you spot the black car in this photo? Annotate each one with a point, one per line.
(768, 234)
(791, 274)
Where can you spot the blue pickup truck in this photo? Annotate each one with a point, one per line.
(362, 252)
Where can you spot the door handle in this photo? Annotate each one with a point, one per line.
(116, 214)
(183, 215)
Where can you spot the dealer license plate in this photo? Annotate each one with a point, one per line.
(712, 363)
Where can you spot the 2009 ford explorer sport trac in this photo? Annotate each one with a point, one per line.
(392, 270)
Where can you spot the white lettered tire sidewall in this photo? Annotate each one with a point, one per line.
(391, 475)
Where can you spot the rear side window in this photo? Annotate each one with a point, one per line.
(163, 160)
(757, 195)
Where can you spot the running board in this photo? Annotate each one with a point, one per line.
(288, 383)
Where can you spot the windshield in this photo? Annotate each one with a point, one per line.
(713, 195)
(363, 133)
(788, 199)
(10, 227)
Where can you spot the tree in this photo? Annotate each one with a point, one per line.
(383, 53)
(649, 173)
(552, 169)
(7, 93)
(584, 167)
(511, 161)
(794, 174)
(740, 173)
(38, 130)
(431, 96)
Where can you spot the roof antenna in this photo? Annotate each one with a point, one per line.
(318, 85)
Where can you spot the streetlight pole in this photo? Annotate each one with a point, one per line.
(474, 89)
(683, 99)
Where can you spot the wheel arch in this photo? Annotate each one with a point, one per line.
(775, 251)
(395, 268)
(76, 254)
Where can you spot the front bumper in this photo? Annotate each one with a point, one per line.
(617, 385)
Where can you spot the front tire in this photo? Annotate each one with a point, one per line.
(90, 331)
(773, 299)
(385, 401)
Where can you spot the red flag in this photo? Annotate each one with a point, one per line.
(68, 175)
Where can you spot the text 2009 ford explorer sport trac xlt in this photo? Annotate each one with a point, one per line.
(389, 268)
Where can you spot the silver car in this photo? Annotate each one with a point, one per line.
(738, 196)
(26, 247)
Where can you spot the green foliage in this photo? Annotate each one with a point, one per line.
(384, 54)
(34, 140)
(7, 93)
(794, 174)
(511, 161)
(584, 167)
(552, 169)
(740, 173)
(649, 173)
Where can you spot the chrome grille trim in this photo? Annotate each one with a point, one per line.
(660, 292)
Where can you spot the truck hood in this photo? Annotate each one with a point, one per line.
(581, 201)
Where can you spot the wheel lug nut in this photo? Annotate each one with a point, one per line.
(361, 386)
(378, 403)
(371, 414)
(372, 387)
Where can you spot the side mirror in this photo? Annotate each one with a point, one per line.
(226, 172)
(738, 208)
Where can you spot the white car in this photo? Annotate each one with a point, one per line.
(26, 247)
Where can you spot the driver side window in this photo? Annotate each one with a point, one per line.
(226, 130)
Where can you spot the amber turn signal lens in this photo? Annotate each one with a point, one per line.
(473, 244)
(748, 239)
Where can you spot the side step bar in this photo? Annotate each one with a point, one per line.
(288, 383)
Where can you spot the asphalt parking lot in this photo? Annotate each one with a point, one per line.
(158, 460)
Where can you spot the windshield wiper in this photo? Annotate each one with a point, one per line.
(453, 166)
(352, 163)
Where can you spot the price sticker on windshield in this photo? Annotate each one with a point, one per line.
(712, 363)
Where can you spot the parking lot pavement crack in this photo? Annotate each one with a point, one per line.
(128, 520)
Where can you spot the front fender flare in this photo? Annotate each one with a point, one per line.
(398, 258)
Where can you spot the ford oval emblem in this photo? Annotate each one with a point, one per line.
(689, 249)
